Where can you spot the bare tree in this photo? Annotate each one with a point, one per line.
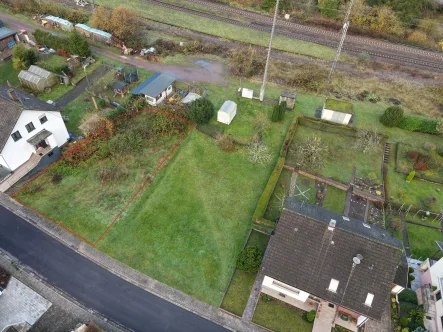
(259, 153)
(281, 197)
(368, 141)
(311, 154)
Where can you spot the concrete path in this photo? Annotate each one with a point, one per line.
(405, 235)
(293, 184)
(325, 318)
(253, 298)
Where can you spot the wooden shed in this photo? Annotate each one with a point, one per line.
(289, 98)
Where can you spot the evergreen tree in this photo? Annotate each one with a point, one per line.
(78, 45)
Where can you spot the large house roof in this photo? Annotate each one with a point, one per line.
(154, 85)
(306, 253)
(10, 110)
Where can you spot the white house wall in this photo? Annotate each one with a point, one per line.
(16, 153)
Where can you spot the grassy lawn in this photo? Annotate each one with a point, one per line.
(280, 317)
(223, 30)
(8, 73)
(281, 191)
(342, 156)
(98, 181)
(412, 193)
(335, 199)
(422, 240)
(241, 283)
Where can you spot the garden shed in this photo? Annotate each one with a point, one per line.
(94, 34)
(37, 78)
(156, 88)
(120, 88)
(227, 112)
(337, 111)
(57, 22)
(289, 98)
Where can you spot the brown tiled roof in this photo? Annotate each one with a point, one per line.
(305, 254)
(11, 110)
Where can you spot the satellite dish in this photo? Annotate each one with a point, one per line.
(356, 260)
(360, 257)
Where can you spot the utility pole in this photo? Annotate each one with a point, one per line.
(265, 76)
(342, 40)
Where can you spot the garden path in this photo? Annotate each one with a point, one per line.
(253, 298)
(293, 184)
(405, 235)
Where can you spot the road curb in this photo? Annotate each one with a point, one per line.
(126, 273)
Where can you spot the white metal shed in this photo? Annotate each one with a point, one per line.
(227, 112)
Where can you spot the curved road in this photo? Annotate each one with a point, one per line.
(92, 285)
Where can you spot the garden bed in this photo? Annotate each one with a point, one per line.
(237, 294)
(280, 316)
(94, 181)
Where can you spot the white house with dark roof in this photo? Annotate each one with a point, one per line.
(31, 134)
(344, 269)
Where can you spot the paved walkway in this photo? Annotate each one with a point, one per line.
(253, 298)
(325, 318)
(293, 185)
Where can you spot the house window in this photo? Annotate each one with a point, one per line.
(43, 119)
(369, 299)
(16, 136)
(333, 285)
(30, 127)
(438, 295)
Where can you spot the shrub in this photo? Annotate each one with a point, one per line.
(421, 166)
(430, 201)
(249, 259)
(246, 62)
(101, 103)
(201, 111)
(408, 295)
(439, 126)
(310, 316)
(392, 116)
(23, 58)
(404, 321)
(56, 178)
(417, 123)
(430, 146)
(411, 270)
(413, 155)
(278, 113)
(225, 142)
(396, 224)
(363, 58)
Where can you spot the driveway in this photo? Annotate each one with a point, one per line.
(212, 74)
(92, 285)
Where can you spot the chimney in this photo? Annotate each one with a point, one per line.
(332, 223)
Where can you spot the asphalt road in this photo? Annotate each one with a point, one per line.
(92, 285)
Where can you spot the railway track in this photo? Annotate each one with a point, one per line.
(393, 53)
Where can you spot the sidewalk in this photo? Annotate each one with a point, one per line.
(126, 273)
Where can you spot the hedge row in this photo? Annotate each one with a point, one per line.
(420, 124)
(269, 189)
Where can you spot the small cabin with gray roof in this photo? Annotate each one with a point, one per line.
(339, 266)
(8, 39)
(156, 88)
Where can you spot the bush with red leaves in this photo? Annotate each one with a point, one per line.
(421, 166)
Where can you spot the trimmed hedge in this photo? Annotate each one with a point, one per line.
(408, 295)
(269, 189)
(418, 123)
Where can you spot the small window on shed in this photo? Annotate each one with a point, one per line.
(333, 285)
(369, 299)
(16, 136)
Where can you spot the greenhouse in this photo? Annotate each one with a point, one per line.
(37, 78)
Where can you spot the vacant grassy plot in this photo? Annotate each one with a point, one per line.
(342, 156)
(91, 186)
(8, 73)
(422, 240)
(281, 191)
(224, 30)
(188, 227)
(280, 317)
(241, 283)
(335, 199)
